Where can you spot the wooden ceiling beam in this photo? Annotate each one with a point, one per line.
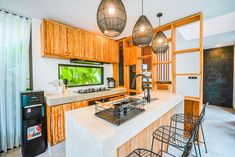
(177, 23)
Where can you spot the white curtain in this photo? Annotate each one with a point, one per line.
(14, 75)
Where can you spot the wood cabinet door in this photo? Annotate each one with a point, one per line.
(63, 42)
(133, 55)
(57, 119)
(88, 43)
(113, 52)
(54, 39)
(47, 38)
(130, 55)
(98, 48)
(105, 50)
(74, 43)
(57, 122)
(126, 56)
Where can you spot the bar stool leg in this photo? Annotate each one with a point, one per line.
(152, 144)
(175, 123)
(195, 148)
(161, 148)
(198, 145)
(203, 136)
(167, 148)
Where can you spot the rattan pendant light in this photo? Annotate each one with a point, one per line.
(111, 17)
(160, 43)
(142, 33)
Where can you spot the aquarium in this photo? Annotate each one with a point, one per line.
(78, 75)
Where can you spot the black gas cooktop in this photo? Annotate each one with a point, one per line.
(91, 90)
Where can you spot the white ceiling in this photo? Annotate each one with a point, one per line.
(82, 13)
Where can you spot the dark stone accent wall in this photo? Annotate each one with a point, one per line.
(218, 76)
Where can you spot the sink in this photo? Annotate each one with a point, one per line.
(128, 101)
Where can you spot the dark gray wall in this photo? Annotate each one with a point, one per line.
(218, 76)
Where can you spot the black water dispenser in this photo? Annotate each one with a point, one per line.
(34, 141)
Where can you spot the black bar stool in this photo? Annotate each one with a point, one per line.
(177, 137)
(191, 120)
(140, 152)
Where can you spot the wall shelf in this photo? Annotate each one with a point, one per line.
(188, 74)
(187, 50)
(166, 62)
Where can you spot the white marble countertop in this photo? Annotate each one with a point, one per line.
(90, 136)
(56, 99)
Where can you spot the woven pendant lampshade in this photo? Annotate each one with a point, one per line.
(160, 42)
(111, 17)
(142, 32)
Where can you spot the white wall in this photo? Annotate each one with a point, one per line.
(46, 69)
(188, 63)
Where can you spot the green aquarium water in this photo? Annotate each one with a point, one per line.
(81, 75)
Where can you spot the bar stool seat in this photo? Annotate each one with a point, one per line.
(181, 118)
(184, 118)
(141, 152)
(173, 136)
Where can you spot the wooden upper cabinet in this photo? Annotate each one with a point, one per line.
(62, 41)
(74, 43)
(54, 39)
(130, 55)
(105, 49)
(47, 38)
(98, 48)
(113, 51)
(88, 45)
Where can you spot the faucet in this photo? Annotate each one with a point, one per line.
(148, 85)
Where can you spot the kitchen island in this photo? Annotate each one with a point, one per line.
(90, 136)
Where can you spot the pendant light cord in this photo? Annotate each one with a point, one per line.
(159, 22)
(142, 7)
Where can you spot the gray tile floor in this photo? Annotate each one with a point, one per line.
(219, 129)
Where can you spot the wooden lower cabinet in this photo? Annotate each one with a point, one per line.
(56, 120)
(56, 116)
